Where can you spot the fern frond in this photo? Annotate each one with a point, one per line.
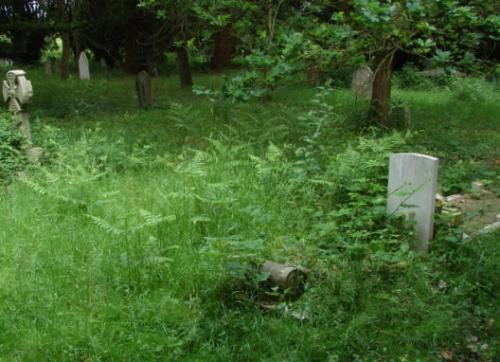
(105, 226)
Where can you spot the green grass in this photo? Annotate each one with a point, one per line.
(122, 246)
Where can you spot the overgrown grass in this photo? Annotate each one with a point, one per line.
(129, 241)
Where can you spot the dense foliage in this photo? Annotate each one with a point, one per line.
(138, 234)
(137, 237)
(277, 39)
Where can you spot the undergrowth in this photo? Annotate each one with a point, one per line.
(137, 246)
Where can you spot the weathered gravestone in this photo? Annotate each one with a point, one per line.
(5, 62)
(50, 66)
(143, 86)
(83, 66)
(362, 80)
(412, 192)
(17, 91)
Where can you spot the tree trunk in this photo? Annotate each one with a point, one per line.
(65, 36)
(381, 91)
(223, 48)
(66, 52)
(184, 68)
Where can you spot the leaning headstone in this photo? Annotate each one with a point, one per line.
(362, 80)
(412, 192)
(83, 66)
(143, 86)
(17, 91)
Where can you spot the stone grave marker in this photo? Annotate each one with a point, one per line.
(362, 80)
(50, 66)
(6, 62)
(83, 66)
(143, 86)
(17, 91)
(412, 192)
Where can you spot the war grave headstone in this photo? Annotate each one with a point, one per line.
(412, 193)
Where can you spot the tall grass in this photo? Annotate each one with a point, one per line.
(125, 244)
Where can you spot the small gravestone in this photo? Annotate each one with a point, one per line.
(362, 80)
(83, 66)
(5, 62)
(50, 66)
(17, 91)
(412, 192)
(143, 86)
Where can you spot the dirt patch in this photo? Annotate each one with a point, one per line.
(474, 211)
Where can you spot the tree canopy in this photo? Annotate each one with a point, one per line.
(273, 39)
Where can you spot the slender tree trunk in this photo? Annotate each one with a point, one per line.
(65, 36)
(223, 48)
(66, 52)
(381, 92)
(184, 68)
(75, 36)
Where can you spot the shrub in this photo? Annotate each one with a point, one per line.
(469, 89)
(11, 144)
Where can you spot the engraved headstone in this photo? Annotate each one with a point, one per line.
(412, 192)
(83, 66)
(362, 80)
(144, 93)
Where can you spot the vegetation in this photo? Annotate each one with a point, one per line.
(138, 234)
(129, 241)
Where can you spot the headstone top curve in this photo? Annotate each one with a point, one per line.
(414, 155)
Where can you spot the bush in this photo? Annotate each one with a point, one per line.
(410, 78)
(11, 145)
(469, 89)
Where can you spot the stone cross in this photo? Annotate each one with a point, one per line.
(412, 193)
(17, 91)
(83, 66)
(143, 86)
(362, 80)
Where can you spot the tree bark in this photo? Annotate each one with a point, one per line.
(184, 68)
(223, 48)
(65, 36)
(381, 91)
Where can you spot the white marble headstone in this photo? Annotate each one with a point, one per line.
(412, 192)
(83, 66)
